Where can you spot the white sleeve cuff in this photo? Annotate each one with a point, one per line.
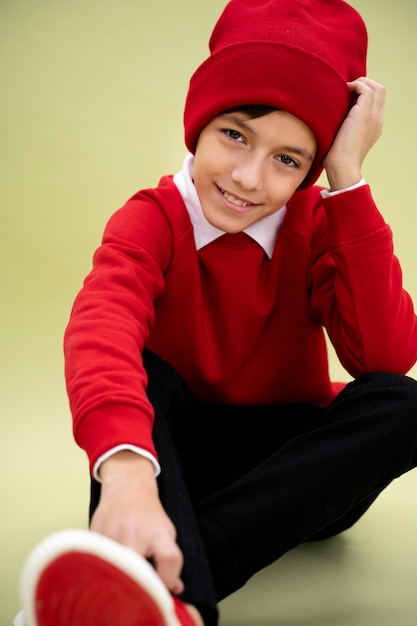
(127, 446)
(326, 193)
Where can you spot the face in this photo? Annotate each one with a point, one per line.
(246, 169)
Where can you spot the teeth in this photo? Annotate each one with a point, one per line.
(234, 200)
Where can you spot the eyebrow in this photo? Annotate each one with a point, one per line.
(236, 119)
(302, 152)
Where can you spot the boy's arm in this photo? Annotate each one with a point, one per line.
(358, 295)
(106, 381)
(131, 512)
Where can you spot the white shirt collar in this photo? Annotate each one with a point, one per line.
(264, 232)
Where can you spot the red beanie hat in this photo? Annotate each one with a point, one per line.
(294, 55)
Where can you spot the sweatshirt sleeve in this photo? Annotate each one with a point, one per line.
(109, 324)
(357, 289)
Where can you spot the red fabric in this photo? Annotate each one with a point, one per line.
(182, 613)
(241, 328)
(295, 56)
(80, 588)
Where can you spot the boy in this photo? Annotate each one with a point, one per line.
(196, 361)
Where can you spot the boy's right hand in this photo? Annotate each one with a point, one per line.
(131, 513)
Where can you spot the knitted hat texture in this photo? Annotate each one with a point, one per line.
(295, 55)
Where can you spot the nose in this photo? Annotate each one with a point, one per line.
(248, 172)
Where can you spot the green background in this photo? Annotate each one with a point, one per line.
(91, 103)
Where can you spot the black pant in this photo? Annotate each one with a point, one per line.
(244, 485)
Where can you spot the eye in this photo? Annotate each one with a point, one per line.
(286, 160)
(233, 134)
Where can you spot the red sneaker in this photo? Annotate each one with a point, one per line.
(81, 578)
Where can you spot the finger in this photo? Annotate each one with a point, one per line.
(372, 84)
(168, 562)
(368, 87)
(370, 101)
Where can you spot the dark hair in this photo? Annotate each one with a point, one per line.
(252, 110)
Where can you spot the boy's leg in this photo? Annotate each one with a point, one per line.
(171, 401)
(196, 444)
(326, 477)
(318, 482)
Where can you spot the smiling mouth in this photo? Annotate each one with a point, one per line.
(235, 200)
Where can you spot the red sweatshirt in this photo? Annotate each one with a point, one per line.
(239, 327)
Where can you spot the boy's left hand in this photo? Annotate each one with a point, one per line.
(360, 130)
